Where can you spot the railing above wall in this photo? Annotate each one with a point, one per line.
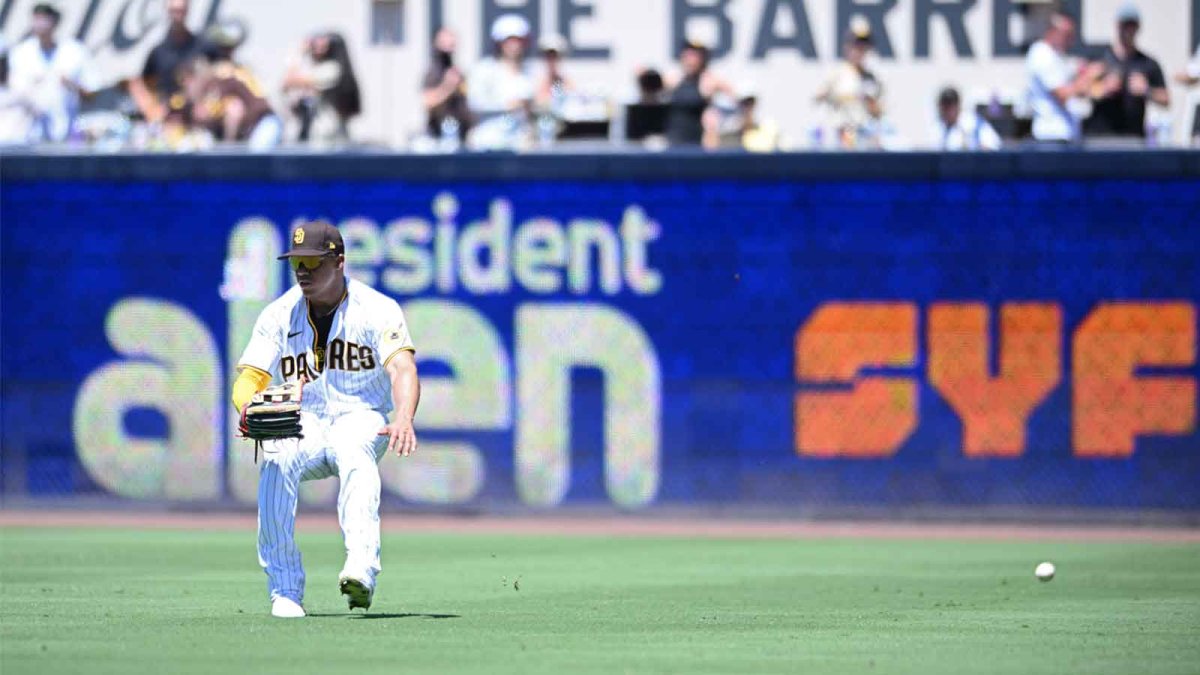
(671, 165)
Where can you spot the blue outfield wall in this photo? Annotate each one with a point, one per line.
(807, 331)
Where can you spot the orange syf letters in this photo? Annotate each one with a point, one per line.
(877, 413)
(994, 410)
(848, 408)
(1111, 403)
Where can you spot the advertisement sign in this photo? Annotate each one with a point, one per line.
(789, 343)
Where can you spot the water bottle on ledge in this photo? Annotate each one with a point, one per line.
(547, 130)
(449, 141)
(1158, 132)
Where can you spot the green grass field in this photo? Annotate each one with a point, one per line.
(92, 601)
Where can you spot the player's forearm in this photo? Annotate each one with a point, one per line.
(249, 382)
(406, 388)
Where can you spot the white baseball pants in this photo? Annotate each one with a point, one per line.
(350, 448)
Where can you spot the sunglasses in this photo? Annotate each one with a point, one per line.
(310, 262)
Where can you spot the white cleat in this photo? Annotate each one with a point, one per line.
(357, 592)
(286, 608)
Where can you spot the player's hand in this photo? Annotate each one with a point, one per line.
(401, 437)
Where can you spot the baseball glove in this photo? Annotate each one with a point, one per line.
(272, 414)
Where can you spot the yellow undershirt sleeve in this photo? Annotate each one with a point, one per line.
(248, 383)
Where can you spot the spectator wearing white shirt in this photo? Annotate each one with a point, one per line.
(956, 130)
(850, 96)
(1054, 83)
(51, 75)
(1190, 77)
(14, 111)
(501, 89)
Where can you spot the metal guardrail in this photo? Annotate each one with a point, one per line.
(668, 165)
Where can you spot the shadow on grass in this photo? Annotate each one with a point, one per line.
(384, 615)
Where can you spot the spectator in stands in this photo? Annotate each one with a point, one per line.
(178, 132)
(222, 41)
(1131, 77)
(959, 130)
(641, 112)
(1054, 85)
(159, 81)
(552, 85)
(754, 134)
(879, 132)
(14, 110)
(323, 90)
(690, 118)
(851, 88)
(226, 105)
(1190, 77)
(443, 91)
(650, 87)
(501, 91)
(51, 75)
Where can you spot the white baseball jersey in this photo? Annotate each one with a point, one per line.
(368, 330)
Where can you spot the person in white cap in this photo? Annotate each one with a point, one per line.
(502, 87)
(552, 84)
(1131, 79)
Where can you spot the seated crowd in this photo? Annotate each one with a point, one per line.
(193, 92)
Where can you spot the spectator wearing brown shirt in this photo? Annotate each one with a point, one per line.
(443, 90)
(229, 105)
(222, 41)
(159, 81)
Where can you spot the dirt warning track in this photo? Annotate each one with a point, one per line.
(612, 526)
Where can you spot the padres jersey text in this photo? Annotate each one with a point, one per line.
(349, 371)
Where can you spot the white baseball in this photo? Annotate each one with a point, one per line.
(1044, 571)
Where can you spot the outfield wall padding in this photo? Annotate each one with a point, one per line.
(843, 330)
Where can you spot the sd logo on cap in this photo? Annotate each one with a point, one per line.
(316, 238)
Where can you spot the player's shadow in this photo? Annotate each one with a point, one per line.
(385, 615)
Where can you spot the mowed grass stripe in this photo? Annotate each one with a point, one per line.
(77, 600)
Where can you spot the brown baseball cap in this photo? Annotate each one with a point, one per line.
(315, 238)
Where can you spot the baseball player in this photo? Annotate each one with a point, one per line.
(349, 345)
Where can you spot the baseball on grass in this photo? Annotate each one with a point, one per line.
(1044, 571)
